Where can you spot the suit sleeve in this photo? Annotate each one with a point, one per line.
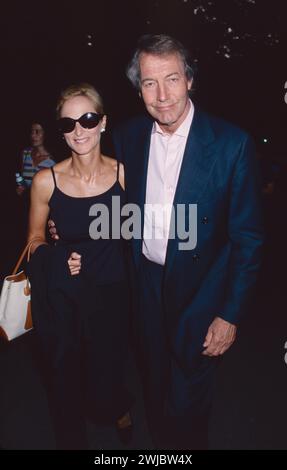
(245, 231)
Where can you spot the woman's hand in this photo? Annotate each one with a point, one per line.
(74, 263)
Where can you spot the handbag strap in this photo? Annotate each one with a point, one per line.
(22, 256)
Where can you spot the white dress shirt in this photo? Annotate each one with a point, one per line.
(165, 158)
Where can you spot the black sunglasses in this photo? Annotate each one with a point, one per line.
(87, 121)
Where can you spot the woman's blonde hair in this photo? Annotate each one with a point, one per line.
(83, 89)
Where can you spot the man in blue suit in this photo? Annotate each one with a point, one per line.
(189, 300)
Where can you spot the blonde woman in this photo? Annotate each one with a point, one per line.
(80, 315)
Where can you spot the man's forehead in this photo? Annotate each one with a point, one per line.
(161, 60)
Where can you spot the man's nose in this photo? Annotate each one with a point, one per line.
(162, 94)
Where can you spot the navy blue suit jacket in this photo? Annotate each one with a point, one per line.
(219, 173)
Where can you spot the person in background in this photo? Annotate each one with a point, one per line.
(34, 158)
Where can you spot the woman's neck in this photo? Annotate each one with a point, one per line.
(87, 166)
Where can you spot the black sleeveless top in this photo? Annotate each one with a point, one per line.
(78, 219)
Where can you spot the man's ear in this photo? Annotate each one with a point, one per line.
(140, 94)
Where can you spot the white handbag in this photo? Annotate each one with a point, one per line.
(15, 301)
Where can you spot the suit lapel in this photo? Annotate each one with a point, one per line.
(138, 179)
(195, 170)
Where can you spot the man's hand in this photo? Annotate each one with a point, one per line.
(74, 263)
(53, 230)
(220, 336)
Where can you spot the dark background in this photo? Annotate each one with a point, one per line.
(44, 47)
(239, 48)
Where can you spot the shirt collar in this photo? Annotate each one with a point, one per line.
(183, 129)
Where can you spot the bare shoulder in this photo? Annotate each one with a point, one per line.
(110, 161)
(63, 166)
(122, 171)
(43, 181)
(114, 165)
(42, 186)
(113, 162)
(42, 178)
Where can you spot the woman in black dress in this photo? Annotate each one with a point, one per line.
(80, 315)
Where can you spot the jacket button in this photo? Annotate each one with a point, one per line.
(195, 258)
(205, 220)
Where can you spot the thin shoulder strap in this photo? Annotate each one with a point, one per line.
(54, 178)
(118, 170)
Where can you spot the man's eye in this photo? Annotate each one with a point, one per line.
(148, 84)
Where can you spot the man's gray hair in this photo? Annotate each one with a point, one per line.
(157, 44)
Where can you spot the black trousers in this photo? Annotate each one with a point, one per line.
(178, 406)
